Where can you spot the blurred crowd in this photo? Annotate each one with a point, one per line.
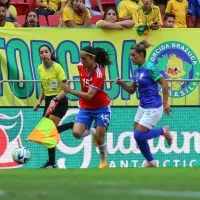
(144, 15)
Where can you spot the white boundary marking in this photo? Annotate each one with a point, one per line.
(169, 193)
(155, 193)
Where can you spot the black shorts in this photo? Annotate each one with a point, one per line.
(60, 109)
(160, 2)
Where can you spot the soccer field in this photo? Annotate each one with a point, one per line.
(94, 184)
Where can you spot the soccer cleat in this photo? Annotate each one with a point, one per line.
(103, 165)
(150, 164)
(48, 165)
(167, 135)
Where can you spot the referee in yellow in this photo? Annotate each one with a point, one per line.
(51, 74)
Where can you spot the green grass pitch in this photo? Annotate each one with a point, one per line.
(100, 184)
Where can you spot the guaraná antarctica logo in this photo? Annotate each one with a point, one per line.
(175, 60)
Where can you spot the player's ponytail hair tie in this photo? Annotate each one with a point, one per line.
(144, 42)
(101, 56)
(142, 46)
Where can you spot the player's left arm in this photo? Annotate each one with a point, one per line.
(164, 84)
(88, 96)
(154, 74)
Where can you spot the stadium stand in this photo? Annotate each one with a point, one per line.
(96, 18)
(21, 19)
(43, 20)
(105, 4)
(53, 20)
(31, 3)
(21, 7)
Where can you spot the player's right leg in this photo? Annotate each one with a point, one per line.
(102, 119)
(102, 145)
(149, 119)
(82, 124)
(145, 120)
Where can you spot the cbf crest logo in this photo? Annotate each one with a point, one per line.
(175, 60)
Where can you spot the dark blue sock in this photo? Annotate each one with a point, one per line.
(141, 139)
(145, 149)
(148, 134)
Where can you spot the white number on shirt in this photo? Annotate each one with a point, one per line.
(105, 118)
(86, 83)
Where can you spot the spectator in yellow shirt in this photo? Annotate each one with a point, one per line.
(3, 23)
(50, 7)
(111, 20)
(180, 9)
(76, 14)
(126, 7)
(147, 17)
(169, 21)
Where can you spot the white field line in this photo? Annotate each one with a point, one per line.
(154, 193)
(162, 193)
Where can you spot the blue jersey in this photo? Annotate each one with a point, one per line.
(145, 79)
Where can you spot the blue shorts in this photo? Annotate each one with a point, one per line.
(194, 8)
(101, 116)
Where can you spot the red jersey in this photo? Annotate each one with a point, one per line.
(96, 81)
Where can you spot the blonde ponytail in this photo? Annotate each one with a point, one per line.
(145, 43)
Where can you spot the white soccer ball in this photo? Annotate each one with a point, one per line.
(21, 155)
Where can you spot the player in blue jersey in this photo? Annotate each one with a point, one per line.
(145, 84)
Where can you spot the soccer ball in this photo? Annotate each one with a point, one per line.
(21, 155)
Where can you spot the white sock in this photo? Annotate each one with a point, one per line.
(89, 132)
(103, 151)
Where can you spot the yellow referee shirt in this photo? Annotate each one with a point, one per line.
(179, 8)
(125, 8)
(50, 78)
(140, 17)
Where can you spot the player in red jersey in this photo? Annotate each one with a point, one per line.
(94, 102)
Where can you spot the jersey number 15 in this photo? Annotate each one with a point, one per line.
(86, 83)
